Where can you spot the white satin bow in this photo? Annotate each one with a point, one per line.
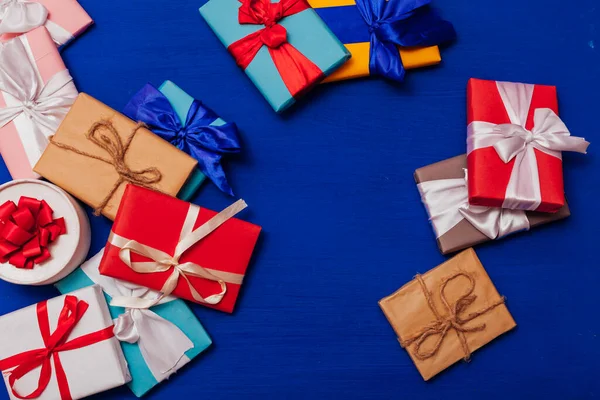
(513, 141)
(162, 343)
(447, 203)
(21, 16)
(164, 262)
(41, 107)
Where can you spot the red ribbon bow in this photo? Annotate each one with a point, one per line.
(296, 70)
(26, 232)
(72, 312)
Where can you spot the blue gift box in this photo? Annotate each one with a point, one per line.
(305, 31)
(175, 311)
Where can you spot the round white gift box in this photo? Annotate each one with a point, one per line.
(68, 251)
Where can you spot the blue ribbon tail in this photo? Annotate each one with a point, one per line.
(385, 60)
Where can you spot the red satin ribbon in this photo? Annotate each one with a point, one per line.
(72, 312)
(296, 70)
(26, 232)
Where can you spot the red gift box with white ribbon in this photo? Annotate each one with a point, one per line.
(514, 144)
(178, 248)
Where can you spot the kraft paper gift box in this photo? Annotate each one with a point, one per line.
(418, 28)
(156, 342)
(178, 248)
(514, 144)
(36, 92)
(446, 314)
(90, 158)
(64, 19)
(458, 225)
(38, 247)
(189, 125)
(85, 357)
(284, 47)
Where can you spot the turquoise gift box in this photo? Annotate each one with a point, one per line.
(305, 31)
(172, 325)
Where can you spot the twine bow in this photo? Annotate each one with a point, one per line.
(453, 321)
(116, 149)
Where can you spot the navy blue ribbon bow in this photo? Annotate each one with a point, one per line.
(204, 142)
(390, 23)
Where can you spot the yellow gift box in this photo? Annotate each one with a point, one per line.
(358, 65)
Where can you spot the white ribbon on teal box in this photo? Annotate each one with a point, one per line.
(156, 342)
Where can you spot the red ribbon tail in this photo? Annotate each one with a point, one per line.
(297, 72)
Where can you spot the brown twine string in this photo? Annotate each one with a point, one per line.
(116, 149)
(454, 320)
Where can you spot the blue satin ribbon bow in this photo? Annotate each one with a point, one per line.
(204, 142)
(390, 23)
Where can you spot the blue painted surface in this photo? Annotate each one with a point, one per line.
(331, 183)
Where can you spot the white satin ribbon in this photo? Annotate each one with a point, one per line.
(38, 109)
(447, 203)
(162, 343)
(549, 135)
(59, 35)
(164, 262)
(21, 16)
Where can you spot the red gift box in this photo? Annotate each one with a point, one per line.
(158, 221)
(525, 118)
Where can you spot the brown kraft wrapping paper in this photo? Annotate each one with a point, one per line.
(92, 180)
(480, 315)
(465, 235)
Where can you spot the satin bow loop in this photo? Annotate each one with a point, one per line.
(453, 318)
(20, 16)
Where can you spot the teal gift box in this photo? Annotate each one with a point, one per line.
(156, 342)
(284, 47)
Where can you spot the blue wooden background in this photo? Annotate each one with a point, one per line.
(331, 183)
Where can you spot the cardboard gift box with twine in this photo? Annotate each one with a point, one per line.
(447, 313)
(96, 151)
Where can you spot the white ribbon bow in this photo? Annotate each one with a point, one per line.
(513, 141)
(164, 262)
(38, 108)
(447, 203)
(21, 16)
(162, 343)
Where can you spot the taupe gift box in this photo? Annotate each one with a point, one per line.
(446, 314)
(464, 234)
(97, 151)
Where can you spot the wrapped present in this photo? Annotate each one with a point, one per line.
(96, 150)
(178, 248)
(45, 234)
(190, 126)
(447, 313)
(71, 338)
(456, 223)
(151, 358)
(284, 47)
(64, 19)
(385, 38)
(514, 144)
(36, 92)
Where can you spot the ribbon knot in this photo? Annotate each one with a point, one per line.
(116, 149)
(453, 321)
(374, 26)
(20, 16)
(274, 35)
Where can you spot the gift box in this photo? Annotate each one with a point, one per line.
(190, 126)
(179, 248)
(96, 150)
(416, 27)
(64, 19)
(36, 92)
(141, 331)
(284, 47)
(446, 314)
(514, 144)
(76, 333)
(459, 225)
(45, 236)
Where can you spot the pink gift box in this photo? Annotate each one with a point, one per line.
(66, 20)
(24, 138)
